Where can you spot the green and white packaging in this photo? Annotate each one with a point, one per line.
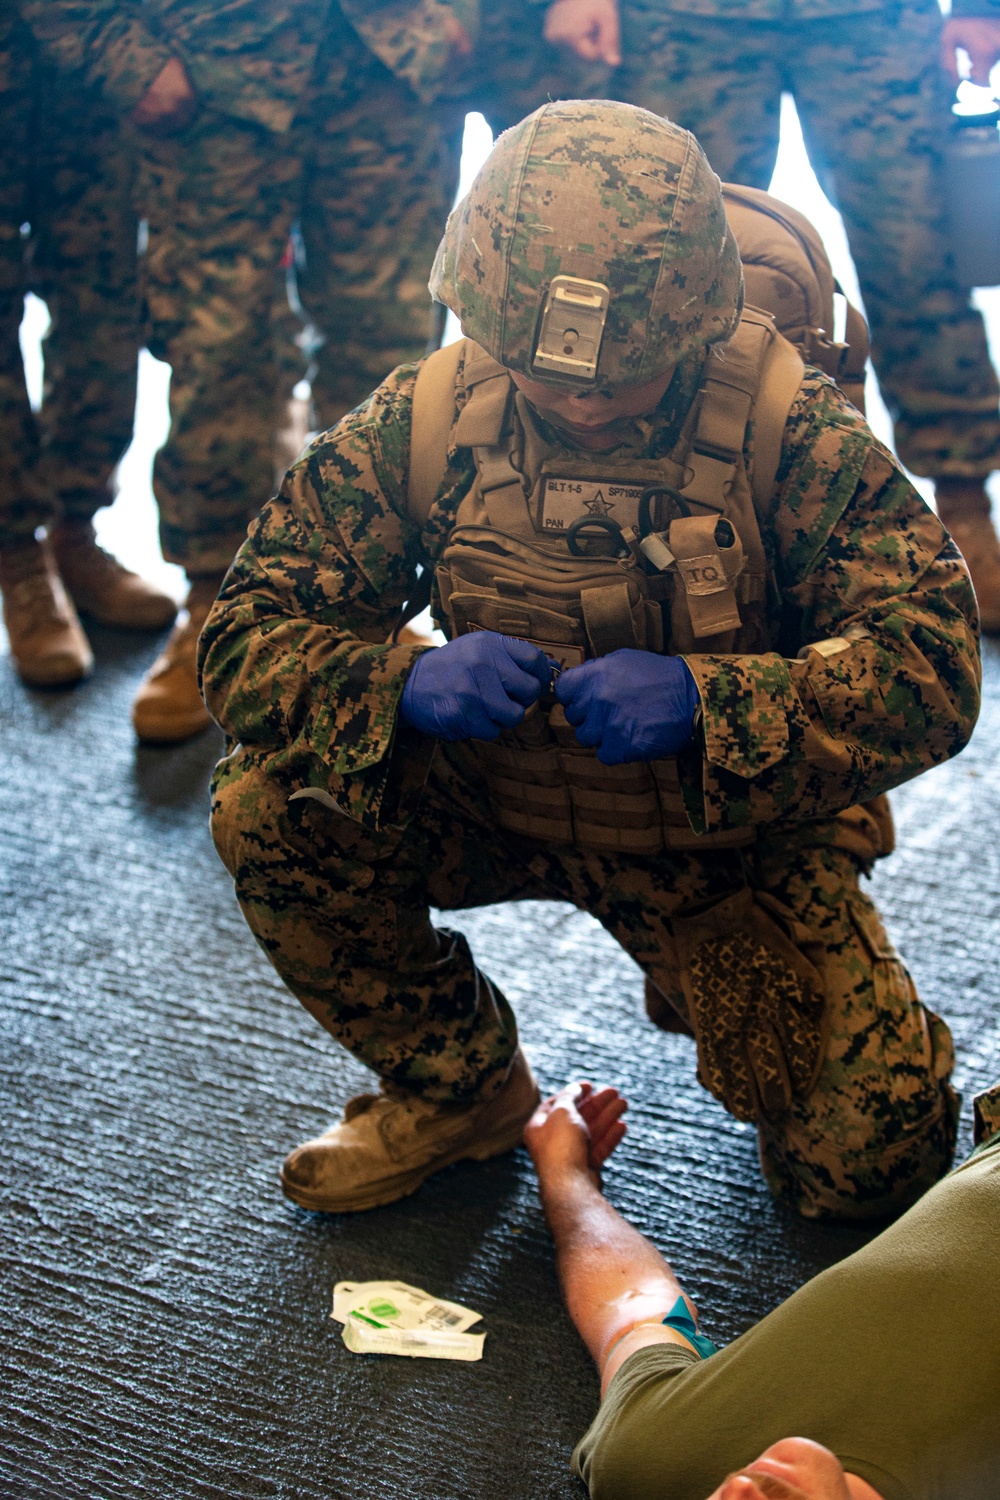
(392, 1317)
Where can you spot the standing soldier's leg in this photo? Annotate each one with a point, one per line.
(377, 189)
(217, 198)
(719, 79)
(514, 70)
(22, 508)
(874, 112)
(85, 267)
(342, 913)
(47, 645)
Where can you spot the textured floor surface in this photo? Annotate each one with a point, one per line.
(164, 1310)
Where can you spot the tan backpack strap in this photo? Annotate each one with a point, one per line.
(433, 416)
(779, 384)
(852, 376)
(732, 374)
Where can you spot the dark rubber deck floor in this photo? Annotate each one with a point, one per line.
(164, 1310)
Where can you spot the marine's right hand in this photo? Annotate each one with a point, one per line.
(587, 28)
(474, 686)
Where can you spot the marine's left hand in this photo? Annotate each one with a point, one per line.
(170, 103)
(633, 705)
(979, 36)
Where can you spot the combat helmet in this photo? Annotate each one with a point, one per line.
(592, 248)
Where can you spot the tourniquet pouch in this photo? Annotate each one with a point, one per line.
(755, 1000)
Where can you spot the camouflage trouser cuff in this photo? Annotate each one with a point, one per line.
(16, 534)
(954, 445)
(83, 505)
(986, 1109)
(821, 1183)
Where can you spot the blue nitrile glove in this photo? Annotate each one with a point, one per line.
(633, 705)
(474, 686)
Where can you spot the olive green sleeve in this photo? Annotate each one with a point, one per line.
(108, 41)
(608, 1465)
(879, 675)
(294, 657)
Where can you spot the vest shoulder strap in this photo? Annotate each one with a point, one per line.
(756, 373)
(779, 384)
(433, 415)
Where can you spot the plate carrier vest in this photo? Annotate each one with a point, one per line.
(691, 572)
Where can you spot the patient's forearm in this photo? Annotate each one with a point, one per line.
(611, 1276)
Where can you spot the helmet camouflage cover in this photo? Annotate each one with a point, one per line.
(609, 193)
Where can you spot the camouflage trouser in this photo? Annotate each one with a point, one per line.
(365, 171)
(870, 94)
(342, 913)
(987, 1115)
(219, 202)
(64, 171)
(378, 182)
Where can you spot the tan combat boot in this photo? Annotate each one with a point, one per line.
(389, 1143)
(168, 707)
(964, 507)
(47, 642)
(101, 587)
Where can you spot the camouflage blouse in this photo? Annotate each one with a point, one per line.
(295, 664)
(252, 59)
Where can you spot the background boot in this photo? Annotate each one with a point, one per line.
(964, 507)
(168, 707)
(47, 643)
(101, 587)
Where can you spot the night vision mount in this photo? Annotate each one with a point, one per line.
(571, 329)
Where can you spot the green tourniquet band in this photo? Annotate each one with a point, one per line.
(678, 1317)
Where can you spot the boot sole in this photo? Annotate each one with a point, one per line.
(408, 1182)
(56, 678)
(169, 732)
(120, 622)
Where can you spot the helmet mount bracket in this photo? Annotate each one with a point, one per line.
(570, 329)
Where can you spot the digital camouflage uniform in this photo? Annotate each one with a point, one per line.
(378, 180)
(65, 171)
(341, 824)
(340, 140)
(381, 169)
(873, 102)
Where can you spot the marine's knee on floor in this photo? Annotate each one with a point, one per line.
(868, 1149)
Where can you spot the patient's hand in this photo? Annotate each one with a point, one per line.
(575, 1130)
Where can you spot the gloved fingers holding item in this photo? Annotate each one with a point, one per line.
(631, 705)
(474, 686)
